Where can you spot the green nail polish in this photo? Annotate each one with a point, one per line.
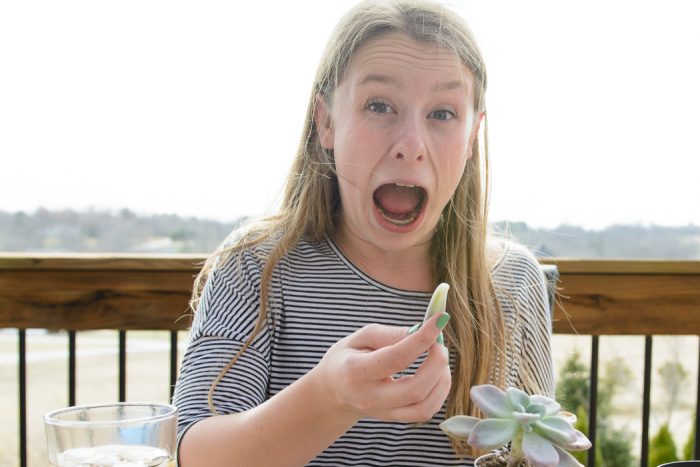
(414, 328)
(443, 320)
(447, 354)
(441, 339)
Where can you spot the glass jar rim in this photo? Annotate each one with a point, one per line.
(52, 418)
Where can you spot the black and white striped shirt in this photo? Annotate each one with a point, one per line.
(319, 297)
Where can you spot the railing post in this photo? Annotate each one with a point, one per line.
(173, 362)
(22, 373)
(646, 404)
(593, 401)
(696, 450)
(71, 368)
(122, 366)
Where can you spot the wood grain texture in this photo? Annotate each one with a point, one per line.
(600, 297)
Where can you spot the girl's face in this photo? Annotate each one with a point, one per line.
(401, 126)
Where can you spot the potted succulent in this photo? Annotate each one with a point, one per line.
(539, 433)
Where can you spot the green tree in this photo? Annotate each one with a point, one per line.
(672, 377)
(613, 448)
(573, 385)
(662, 448)
(689, 445)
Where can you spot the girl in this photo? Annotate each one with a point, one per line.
(300, 341)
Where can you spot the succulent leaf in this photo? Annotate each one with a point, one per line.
(566, 459)
(493, 432)
(525, 418)
(552, 406)
(539, 451)
(438, 301)
(556, 430)
(517, 399)
(538, 409)
(491, 400)
(581, 443)
(459, 426)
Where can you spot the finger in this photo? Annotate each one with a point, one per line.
(375, 336)
(412, 389)
(396, 357)
(425, 409)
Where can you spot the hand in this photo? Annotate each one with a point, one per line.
(357, 373)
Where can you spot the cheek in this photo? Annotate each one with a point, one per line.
(357, 154)
(456, 155)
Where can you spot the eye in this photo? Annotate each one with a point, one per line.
(442, 114)
(379, 107)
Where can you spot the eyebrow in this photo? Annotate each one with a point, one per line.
(377, 78)
(384, 79)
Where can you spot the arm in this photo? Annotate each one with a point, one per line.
(537, 355)
(353, 380)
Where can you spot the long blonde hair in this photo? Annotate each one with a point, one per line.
(476, 332)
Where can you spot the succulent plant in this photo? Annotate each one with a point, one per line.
(534, 426)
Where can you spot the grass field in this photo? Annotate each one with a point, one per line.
(148, 378)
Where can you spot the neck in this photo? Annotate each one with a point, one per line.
(406, 269)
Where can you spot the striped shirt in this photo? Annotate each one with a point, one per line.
(318, 297)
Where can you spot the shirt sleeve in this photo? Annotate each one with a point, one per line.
(225, 318)
(536, 371)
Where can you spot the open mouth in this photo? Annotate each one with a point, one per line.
(399, 204)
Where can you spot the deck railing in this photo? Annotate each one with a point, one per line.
(135, 292)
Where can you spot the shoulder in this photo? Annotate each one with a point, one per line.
(507, 257)
(517, 271)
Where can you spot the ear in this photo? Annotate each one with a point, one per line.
(324, 123)
(474, 134)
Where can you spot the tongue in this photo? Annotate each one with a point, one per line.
(397, 200)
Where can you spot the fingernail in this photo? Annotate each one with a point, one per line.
(441, 339)
(447, 354)
(414, 328)
(442, 321)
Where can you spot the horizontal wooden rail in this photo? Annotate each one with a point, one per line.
(82, 291)
(610, 297)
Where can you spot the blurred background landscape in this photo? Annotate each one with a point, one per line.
(125, 231)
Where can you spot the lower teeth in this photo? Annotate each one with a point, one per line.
(395, 221)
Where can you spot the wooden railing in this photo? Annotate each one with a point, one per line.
(127, 292)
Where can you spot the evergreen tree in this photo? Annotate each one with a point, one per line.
(689, 446)
(613, 448)
(574, 384)
(662, 448)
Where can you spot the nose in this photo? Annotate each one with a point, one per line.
(410, 141)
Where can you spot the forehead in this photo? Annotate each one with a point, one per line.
(394, 57)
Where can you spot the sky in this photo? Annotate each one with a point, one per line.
(196, 108)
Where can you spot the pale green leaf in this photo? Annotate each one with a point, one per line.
(491, 400)
(552, 406)
(459, 426)
(539, 451)
(556, 429)
(438, 301)
(517, 399)
(493, 433)
(566, 459)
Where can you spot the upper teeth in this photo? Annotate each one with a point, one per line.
(402, 184)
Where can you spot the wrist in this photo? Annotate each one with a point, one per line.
(326, 400)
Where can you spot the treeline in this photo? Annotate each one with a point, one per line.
(103, 231)
(619, 241)
(126, 231)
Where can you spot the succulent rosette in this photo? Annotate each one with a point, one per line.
(534, 426)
